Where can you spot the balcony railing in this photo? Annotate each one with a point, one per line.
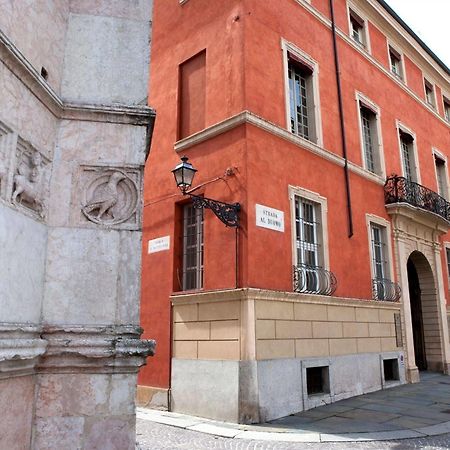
(314, 280)
(386, 290)
(399, 189)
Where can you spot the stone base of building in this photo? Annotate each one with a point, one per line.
(259, 391)
(152, 397)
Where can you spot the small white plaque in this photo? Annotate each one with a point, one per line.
(270, 218)
(159, 244)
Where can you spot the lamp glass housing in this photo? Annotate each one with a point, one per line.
(184, 174)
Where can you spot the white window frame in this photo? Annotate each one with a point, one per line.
(351, 8)
(392, 47)
(362, 100)
(433, 88)
(289, 47)
(402, 127)
(295, 191)
(372, 219)
(439, 155)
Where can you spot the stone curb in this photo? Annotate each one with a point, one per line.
(236, 431)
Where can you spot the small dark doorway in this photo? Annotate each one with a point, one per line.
(416, 316)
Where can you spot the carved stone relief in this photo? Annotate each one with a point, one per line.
(110, 196)
(31, 179)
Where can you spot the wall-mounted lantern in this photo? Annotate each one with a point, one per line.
(184, 175)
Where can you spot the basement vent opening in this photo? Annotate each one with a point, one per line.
(44, 73)
(317, 380)
(390, 367)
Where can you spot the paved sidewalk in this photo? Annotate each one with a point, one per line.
(404, 412)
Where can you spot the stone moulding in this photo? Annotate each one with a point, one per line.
(11, 56)
(26, 349)
(21, 346)
(102, 349)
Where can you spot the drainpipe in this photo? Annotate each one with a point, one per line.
(342, 124)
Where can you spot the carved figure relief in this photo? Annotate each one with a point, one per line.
(30, 179)
(110, 195)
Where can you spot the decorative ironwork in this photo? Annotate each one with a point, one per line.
(399, 189)
(314, 280)
(225, 212)
(386, 290)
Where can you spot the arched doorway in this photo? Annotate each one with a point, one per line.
(424, 313)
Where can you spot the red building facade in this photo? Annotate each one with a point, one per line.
(328, 122)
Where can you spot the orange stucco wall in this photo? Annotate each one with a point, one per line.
(244, 71)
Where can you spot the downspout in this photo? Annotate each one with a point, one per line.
(342, 124)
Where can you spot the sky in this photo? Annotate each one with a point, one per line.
(429, 19)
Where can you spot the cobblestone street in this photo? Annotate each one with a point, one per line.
(154, 436)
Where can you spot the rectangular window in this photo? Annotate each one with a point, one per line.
(192, 95)
(441, 175)
(192, 247)
(447, 109)
(307, 243)
(379, 251)
(367, 119)
(302, 104)
(408, 160)
(396, 63)
(429, 93)
(357, 29)
(447, 253)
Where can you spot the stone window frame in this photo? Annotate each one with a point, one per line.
(393, 48)
(317, 399)
(401, 127)
(430, 85)
(305, 59)
(356, 13)
(440, 155)
(322, 202)
(380, 222)
(363, 101)
(400, 362)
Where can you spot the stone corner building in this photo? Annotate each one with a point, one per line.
(74, 134)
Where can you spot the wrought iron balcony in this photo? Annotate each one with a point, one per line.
(399, 189)
(314, 280)
(386, 290)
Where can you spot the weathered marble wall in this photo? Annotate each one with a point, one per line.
(70, 220)
(115, 69)
(38, 28)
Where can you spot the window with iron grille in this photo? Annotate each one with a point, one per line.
(369, 138)
(380, 265)
(192, 247)
(357, 31)
(408, 160)
(429, 93)
(447, 109)
(396, 63)
(300, 94)
(307, 240)
(447, 253)
(441, 175)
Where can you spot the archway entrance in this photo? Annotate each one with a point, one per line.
(424, 313)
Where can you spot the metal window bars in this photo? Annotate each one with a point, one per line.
(311, 279)
(386, 290)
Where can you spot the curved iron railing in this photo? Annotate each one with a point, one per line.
(314, 280)
(386, 290)
(400, 189)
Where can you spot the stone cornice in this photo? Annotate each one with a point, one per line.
(26, 349)
(281, 296)
(16, 62)
(247, 117)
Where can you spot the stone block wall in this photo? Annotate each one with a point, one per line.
(212, 326)
(248, 350)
